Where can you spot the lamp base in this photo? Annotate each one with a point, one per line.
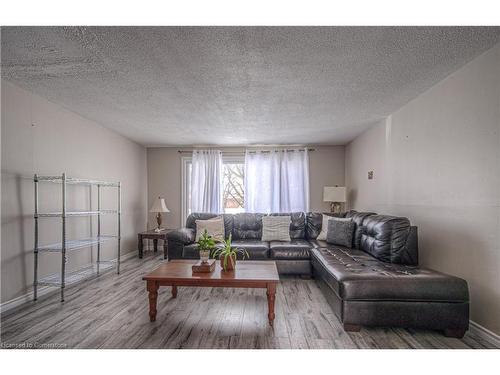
(158, 221)
(336, 207)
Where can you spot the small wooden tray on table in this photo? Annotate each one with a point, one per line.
(208, 266)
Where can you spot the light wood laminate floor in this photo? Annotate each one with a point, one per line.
(112, 312)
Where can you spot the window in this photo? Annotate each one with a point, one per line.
(233, 192)
(232, 181)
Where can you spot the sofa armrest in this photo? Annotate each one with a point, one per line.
(183, 235)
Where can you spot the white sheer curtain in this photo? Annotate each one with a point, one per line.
(277, 181)
(295, 181)
(206, 181)
(262, 181)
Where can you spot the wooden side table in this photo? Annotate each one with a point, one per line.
(155, 236)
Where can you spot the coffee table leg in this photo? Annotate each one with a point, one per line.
(174, 291)
(153, 295)
(271, 296)
(155, 244)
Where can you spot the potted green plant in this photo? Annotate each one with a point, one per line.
(205, 244)
(228, 254)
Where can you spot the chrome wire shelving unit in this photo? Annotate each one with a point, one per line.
(65, 277)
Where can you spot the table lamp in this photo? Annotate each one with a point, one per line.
(335, 195)
(159, 206)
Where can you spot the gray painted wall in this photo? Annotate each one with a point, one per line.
(437, 161)
(60, 141)
(164, 178)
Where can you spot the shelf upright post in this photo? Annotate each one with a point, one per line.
(35, 246)
(119, 226)
(63, 243)
(98, 226)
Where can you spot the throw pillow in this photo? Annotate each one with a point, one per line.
(324, 226)
(276, 228)
(340, 232)
(214, 227)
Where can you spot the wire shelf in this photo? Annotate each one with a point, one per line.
(77, 181)
(76, 213)
(77, 275)
(69, 277)
(76, 244)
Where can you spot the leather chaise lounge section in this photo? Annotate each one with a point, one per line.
(375, 282)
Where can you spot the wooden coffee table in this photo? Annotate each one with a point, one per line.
(248, 274)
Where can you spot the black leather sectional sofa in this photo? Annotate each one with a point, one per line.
(375, 282)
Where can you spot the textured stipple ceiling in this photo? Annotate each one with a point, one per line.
(236, 85)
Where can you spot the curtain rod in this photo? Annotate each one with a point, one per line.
(243, 152)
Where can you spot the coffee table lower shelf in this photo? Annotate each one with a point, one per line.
(248, 274)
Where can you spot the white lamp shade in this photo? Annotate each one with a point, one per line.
(159, 206)
(334, 194)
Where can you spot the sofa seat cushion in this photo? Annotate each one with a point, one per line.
(355, 275)
(318, 243)
(294, 249)
(256, 249)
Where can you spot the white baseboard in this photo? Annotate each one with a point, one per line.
(484, 333)
(44, 290)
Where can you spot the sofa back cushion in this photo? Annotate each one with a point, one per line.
(247, 226)
(358, 218)
(314, 221)
(228, 221)
(297, 226)
(386, 238)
